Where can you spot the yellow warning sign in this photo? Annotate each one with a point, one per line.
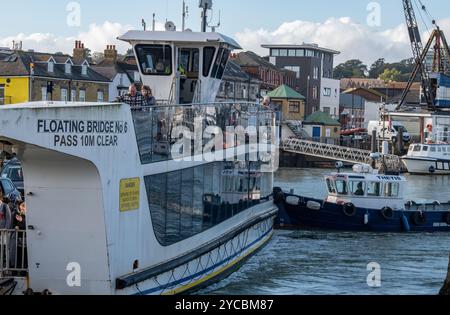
(130, 194)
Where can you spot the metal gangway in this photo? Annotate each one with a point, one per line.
(339, 153)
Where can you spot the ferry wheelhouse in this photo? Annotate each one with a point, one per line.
(363, 200)
(127, 201)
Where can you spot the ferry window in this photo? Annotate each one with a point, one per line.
(358, 188)
(330, 186)
(425, 149)
(208, 57)
(185, 203)
(392, 190)
(417, 148)
(341, 187)
(155, 59)
(374, 189)
(433, 149)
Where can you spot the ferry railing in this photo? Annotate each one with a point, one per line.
(155, 126)
(13, 253)
(338, 153)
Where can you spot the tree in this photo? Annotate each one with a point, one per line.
(391, 75)
(354, 68)
(97, 57)
(377, 68)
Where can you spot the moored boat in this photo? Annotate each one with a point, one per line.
(363, 200)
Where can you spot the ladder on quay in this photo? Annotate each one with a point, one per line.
(339, 153)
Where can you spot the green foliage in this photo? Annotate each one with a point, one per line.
(391, 75)
(354, 68)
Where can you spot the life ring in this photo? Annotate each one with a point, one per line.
(447, 218)
(278, 195)
(349, 209)
(419, 218)
(432, 169)
(387, 213)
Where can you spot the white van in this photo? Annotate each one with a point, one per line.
(388, 130)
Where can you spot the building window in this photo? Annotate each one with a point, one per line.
(100, 96)
(73, 95)
(155, 59)
(50, 66)
(295, 69)
(315, 92)
(300, 53)
(292, 53)
(121, 79)
(68, 68)
(64, 95)
(44, 93)
(82, 97)
(294, 107)
(309, 53)
(137, 77)
(327, 110)
(316, 73)
(275, 53)
(84, 70)
(283, 52)
(327, 92)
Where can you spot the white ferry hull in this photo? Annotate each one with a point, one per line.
(424, 166)
(81, 241)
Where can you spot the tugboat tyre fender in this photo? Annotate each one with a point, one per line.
(447, 218)
(387, 213)
(278, 195)
(419, 218)
(349, 209)
(432, 169)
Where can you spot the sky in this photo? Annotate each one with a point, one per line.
(361, 29)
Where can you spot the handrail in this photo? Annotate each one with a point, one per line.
(337, 153)
(13, 253)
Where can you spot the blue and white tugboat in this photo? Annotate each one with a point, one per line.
(363, 200)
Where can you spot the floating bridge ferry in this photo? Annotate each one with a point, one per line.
(131, 201)
(365, 201)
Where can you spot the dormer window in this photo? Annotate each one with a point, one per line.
(68, 67)
(84, 68)
(137, 76)
(51, 65)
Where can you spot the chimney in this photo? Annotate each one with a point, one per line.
(79, 52)
(111, 53)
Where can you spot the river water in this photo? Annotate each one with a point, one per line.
(323, 263)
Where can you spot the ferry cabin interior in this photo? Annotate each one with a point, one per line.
(181, 67)
(366, 191)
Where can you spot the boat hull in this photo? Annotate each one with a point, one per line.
(332, 217)
(424, 166)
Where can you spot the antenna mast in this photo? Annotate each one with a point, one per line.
(205, 5)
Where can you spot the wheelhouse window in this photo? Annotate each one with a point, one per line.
(220, 63)
(155, 59)
(357, 188)
(341, 187)
(374, 189)
(208, 57)
(330, 186)
(392, 190)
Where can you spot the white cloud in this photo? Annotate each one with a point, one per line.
(95, 38)
(355, 41)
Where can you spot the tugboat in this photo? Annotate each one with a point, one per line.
(363, 200)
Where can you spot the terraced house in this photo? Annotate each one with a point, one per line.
(34, 76)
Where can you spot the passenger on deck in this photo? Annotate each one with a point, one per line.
(18, 247)
(360, 190)
(133, 98)
(5, 214)
(147, 95)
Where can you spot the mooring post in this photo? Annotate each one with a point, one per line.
(446, 288)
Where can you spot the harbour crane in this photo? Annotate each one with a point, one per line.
(440, 60)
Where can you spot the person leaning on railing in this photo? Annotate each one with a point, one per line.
(5, 214)
(132, 98)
